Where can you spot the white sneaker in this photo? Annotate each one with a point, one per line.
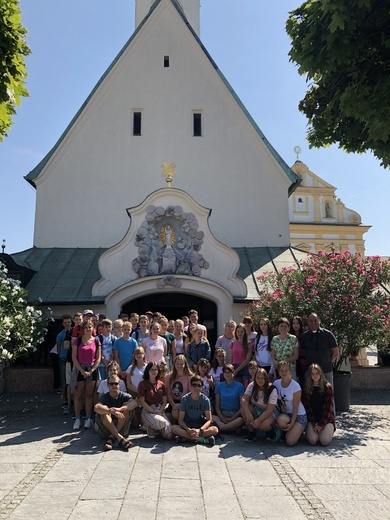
(150, 433)
(87, 423)
(77, 424)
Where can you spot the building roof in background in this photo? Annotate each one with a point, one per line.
(66, 275)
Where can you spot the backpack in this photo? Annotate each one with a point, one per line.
(101, 337)
(97, 343)
(271, 388)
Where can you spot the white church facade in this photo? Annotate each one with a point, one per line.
(158, 153)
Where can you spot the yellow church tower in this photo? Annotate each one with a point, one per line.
(320, 221)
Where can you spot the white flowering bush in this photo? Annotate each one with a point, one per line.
(22, 327)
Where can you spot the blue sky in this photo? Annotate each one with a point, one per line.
(74, 41)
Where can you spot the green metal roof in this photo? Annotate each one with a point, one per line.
(67, 275)
(63, 275)
(294, 178)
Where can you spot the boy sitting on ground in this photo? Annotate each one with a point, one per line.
(114, 412)
(195, 417)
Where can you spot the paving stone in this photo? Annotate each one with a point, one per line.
(96, 508)
(359, 509)
(49, 472)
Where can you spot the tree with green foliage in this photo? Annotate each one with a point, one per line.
(348, 292)
(22, 326)
(13, 50)
(343, 49)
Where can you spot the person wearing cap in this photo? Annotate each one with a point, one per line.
(77, 330)
(150, 316)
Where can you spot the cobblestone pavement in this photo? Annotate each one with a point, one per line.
(49, 472)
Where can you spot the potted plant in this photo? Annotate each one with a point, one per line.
(384, 352)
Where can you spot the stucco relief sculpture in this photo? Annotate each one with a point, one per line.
(168, 280)
(169, 242)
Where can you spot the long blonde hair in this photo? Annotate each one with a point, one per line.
(137, 350)
(322, 383)
(186, 369)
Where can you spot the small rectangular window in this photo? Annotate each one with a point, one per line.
(137, 123)
(166, 61)
(197, 124)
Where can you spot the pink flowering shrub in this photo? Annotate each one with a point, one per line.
(349, 293)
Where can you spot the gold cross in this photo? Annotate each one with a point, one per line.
(168, 171)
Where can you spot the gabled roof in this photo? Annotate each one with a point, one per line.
(301, 168)
(294, 178)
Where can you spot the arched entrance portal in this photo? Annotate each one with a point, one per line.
(175, 305)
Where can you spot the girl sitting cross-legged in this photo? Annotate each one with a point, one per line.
(228, 395)
(152, 397)
(293, 419)
(258, 407)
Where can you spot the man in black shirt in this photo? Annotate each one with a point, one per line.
(320, 346)
(114, 412)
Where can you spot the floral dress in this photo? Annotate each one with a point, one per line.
(284, 348)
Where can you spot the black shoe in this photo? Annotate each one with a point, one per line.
(180, 440)
(275, 434)
(250, 437)
(211, 440)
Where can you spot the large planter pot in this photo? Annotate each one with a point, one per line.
(385, 359)
(342, 382)
(2, 380)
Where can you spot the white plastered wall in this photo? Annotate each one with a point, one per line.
(228, 169)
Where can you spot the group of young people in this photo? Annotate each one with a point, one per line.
(164, 377)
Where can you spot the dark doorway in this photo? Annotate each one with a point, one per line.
(174, 306)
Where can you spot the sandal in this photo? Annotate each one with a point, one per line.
(109, 444)
(124, 444)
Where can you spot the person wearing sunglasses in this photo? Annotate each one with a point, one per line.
(195, 419)
(114, 412)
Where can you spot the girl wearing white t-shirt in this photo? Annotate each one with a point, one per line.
(217, 365)
(258, 407)
(293, 419)
(155, 346)
(180, 337)
(262, 350)
(135, 372)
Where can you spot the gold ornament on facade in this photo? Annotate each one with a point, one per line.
(168, 171)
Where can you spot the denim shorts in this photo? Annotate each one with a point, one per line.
(259, 411)
(242, 374)
(229, 413)
(301, 419)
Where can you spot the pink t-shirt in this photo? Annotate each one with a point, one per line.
(179, 386)
(86, 353)
(154, 349)
(237, 352)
